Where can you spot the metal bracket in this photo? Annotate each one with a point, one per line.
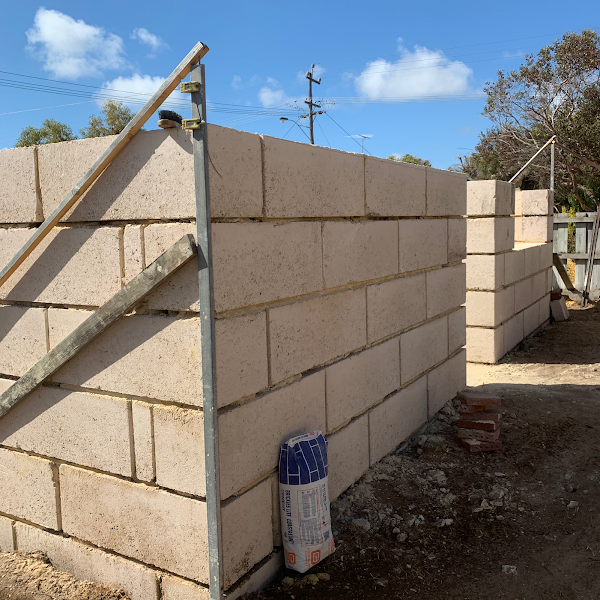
(187, 87)
(191, 123)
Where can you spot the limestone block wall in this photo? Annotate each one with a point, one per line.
(338, 285)
(509, 266)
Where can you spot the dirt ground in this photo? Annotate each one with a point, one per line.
(522, 523)
(32, 577)
(436, 522)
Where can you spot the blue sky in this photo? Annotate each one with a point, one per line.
(372, 58)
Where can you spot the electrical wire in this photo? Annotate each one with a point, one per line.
(319, 124)
(351, 137)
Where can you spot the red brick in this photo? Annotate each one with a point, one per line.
(477, 434)
(481, 424)
(477, 446)
(466, 410)
(479, 399)
(491, 414)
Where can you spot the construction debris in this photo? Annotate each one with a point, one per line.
(479, 425)
(559, 310)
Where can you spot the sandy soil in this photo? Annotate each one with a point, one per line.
(32, 577)
(522, 523)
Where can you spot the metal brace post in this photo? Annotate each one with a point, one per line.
(207, 334)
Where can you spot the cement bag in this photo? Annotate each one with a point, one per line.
(304, 501)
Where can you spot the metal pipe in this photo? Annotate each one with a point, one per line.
(530, 160)
(207, 336)
(552, 165)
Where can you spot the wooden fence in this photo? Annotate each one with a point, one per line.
(576, 247)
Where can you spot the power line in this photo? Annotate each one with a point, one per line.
(344, 130)
(323, 132)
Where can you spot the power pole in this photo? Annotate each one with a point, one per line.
(311, 80)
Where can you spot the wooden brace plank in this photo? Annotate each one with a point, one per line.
(197, 52)
(120, 304)
(563, 273)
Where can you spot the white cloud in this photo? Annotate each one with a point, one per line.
(72, 49)
(418, 74)
(144, 85)
(273, 95)
(238, 84)
(150, 39)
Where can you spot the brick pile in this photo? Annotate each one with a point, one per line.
(479, 424)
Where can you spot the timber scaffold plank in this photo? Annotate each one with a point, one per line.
(120, 304)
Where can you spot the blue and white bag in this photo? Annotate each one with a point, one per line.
(304, 501)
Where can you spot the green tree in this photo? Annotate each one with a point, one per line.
(50, 132)
(113, 120)
(409, 158)
(554, 93)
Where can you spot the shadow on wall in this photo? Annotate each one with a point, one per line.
(120, 174)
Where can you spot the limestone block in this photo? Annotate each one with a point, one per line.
(6, 535)
(457, 239)
(532, 260)
(152, 177)
(72, 426)
(360, 251)
(123, 516)
(445, 381)
(310, 181)
(457, 329)
(559, 310)
(514, 265)
(133, 258)
(90, 564)
(61, 167)
(485, 345)
(523, 294)
(490, 235)
(73, 265)
(234, 173)
(22, 338)
(518, 202)
(490, 309)
(446, 193)
(179, 449)
(422, 243)
(549, 281)
(513, 332)
(545, 309)
(423, 347)
(490, 198)
(275, 514)
(533, 229)
(538, 285)
(18, 197)
(246, 530)
(143, 441)
(251, 434)
(359, 381)
(446, 288)
(537, 202)
(310, 333)
(395, 305)
(348, 455)
(392, 421)
(546, 256)
(262, 262)
(28, 488)
(241, 347)
(531, 318)
(485, 271)
(174, 588)
(393, 188)
(180, 290)
(130, 357)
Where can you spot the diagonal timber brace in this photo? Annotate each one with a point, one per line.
(120, 304)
